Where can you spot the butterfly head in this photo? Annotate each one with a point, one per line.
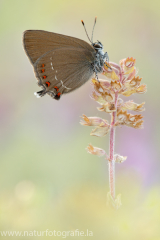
(98, 46)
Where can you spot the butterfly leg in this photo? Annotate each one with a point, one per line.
(106, 57)
(96, 75)
(107, 66)
(107, 60)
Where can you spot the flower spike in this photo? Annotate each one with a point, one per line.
(121, 81)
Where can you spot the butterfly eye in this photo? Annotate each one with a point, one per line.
(97, 46)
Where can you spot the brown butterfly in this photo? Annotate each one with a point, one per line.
(62, 63)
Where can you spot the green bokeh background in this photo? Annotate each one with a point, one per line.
(47, 179)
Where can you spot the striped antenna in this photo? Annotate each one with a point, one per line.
(86, 30)
(93, 28)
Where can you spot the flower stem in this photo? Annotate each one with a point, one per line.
(111, 151)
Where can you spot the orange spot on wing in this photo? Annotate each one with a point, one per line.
(57, 89)
(58, 94)
(42, 70)
(48, 84)
(44, 77)
(43, 65)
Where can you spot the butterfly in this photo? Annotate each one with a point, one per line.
(62, 63)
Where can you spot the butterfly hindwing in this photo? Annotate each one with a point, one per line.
(62, 70)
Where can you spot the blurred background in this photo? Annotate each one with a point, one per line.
(47, 179)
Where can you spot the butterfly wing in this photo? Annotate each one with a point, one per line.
(37, 42)
(62, 70)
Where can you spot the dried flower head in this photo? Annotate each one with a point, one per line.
(100, 131)
(119, 159)
(130, 105)
(93, 121)
(95, 151)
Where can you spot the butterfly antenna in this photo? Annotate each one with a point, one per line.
(86, 30)
(93, 28)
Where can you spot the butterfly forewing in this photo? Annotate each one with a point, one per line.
(37, 42)
(64, 69)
